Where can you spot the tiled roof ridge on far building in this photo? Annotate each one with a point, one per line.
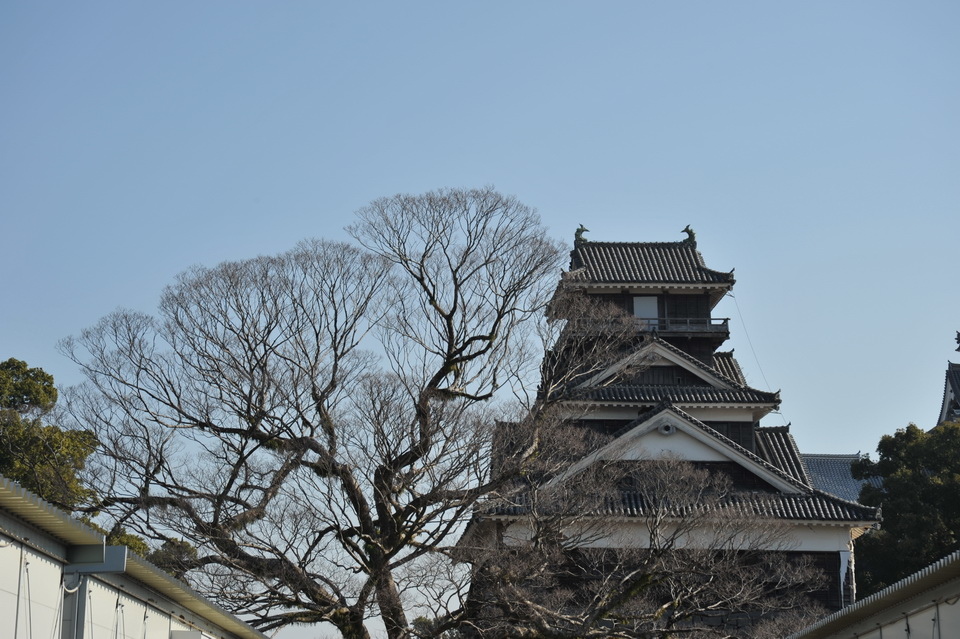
(832, 473)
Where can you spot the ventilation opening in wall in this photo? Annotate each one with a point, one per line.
(667, 429)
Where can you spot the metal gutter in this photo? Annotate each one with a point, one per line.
(52, 521)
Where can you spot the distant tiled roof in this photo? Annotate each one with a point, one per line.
(724, 362)
(831, 474)
(651, 394)
(777, 446)
(646, 262)
(950, 409)
(810, 506)
(953, 377)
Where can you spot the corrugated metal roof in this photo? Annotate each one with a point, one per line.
(643, 262)
(888, 601)
(52, 521)
(28, 507)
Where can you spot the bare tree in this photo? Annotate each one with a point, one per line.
(317, 423)
(658, 548)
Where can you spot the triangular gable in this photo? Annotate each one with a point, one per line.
(651, 353)
(671, 432)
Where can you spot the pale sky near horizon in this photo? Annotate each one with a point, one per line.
(814, 147)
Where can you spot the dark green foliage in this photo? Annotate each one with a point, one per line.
(41, 458)
(136, 543)
(45, 459)
(174, 557)
(25, 390)
(920, 496)
(48, 460)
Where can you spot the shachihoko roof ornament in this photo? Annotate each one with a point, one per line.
(578, 238)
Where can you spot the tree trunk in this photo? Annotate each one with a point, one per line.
(391, 608)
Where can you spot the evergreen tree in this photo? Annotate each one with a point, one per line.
(920, 495)
(40, 457)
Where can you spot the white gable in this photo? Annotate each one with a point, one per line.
(667, 434)
(672, 443)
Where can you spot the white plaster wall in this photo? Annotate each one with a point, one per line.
(103, 618)
(678, 444)
(181, 630)
(34, 604)
(822, 538)
(633, 534)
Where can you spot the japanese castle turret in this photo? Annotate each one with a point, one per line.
(673, 392)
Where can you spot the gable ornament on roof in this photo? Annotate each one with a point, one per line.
(691, 236)
(578, 238)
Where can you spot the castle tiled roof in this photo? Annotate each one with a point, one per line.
(725, 363)
(642, 262)
(809, 506)
(950, 410)
(724, 366)
(831, 474)
(776, 446)
(653, 394)
(727, 372)
(803, 503)
(953, 377)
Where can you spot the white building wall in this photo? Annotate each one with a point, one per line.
(113, 613)
(633, 534)
(30, 592)
(41, 597)
(936, 615)
(677, 444)
(936, 620)
(125, 610)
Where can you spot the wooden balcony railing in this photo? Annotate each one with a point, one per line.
(685, 324)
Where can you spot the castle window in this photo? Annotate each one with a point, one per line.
(645, 308)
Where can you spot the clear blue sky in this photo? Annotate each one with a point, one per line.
(814, 146)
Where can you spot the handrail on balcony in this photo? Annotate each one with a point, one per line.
(708, 324)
